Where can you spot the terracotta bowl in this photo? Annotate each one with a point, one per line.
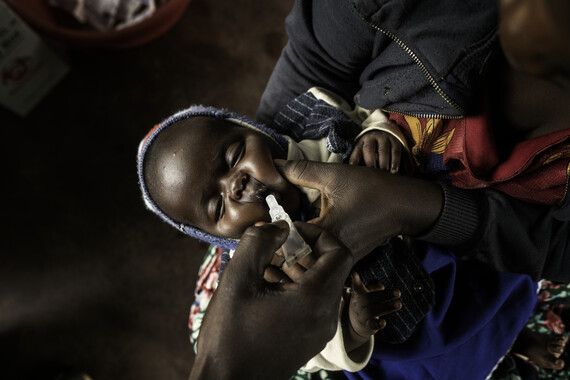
(58, 25)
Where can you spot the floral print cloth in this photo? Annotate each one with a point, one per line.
(551, 316)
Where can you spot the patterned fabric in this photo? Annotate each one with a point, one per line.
(551, 316)
(308, 118)
(463, 153)
(459, 151)
(207, 283)
(397, 267)
(319, 375)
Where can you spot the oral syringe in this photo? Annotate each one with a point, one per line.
(294, 247)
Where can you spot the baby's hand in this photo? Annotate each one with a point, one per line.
(368, 304)
(377, 149)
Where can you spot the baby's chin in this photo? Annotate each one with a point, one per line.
(257, 223)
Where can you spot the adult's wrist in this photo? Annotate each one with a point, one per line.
(419, 207)
(459, 221)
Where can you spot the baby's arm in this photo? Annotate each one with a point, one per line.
(368, 303)
(378, 149)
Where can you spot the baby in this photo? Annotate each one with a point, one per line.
(207, 172)
(237, 155)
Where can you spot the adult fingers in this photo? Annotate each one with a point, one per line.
(328, 178)
(294, 271)
(333, 259)
(308, 260)
(255, 251)
(275, 275)
(277, 260)
(312, 174)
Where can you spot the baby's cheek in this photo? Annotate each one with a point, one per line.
(247, 216)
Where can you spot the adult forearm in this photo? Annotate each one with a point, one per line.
(509, 234)
(211, 367)
(460, 221)
(208, 368)
(419, 205)
(254, 329)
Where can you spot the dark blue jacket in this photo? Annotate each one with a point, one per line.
(407, 56)
(422, 57)
(477, 314)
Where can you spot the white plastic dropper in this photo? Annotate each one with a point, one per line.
(294, 247)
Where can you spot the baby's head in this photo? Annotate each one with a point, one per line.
(207, 172)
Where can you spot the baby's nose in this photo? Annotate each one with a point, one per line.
(236, 185)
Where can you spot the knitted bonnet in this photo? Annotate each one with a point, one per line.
(195, 111)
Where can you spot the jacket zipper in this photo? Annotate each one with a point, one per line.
(428, 76)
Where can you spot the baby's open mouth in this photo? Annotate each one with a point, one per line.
(255, 191)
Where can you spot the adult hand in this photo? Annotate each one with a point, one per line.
(255, 329)
(365, 206)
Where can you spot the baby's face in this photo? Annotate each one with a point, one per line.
(215, 175)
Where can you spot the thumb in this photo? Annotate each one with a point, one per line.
(312, 174)
(255, 251)
(315, 175)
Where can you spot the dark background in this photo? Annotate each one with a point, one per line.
(89, 279)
